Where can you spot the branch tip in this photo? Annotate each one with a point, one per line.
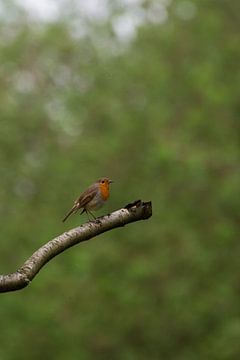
(137, 210)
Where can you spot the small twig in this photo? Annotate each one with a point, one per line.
(135, 211)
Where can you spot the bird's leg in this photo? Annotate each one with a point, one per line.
(92, 215)
(96, 219)
(89, 212)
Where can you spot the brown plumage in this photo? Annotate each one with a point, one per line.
(93, 198)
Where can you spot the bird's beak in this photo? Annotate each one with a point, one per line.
(111, 181)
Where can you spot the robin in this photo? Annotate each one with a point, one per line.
(93, 198)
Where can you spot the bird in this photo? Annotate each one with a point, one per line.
(93, 198)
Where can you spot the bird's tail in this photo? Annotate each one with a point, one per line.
(73, 210)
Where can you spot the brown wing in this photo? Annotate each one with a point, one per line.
(83, 200)
(87, 196)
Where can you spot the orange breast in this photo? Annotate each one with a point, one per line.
(104, 189)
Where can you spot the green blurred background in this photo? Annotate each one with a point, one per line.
(147, 93)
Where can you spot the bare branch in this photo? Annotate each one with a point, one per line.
(135, 211)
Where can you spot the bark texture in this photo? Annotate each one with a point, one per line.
(135, 211)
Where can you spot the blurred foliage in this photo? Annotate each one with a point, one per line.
(160, 115)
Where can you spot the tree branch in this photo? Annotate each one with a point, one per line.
(138, 210)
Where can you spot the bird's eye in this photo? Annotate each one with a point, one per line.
(103, 181)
